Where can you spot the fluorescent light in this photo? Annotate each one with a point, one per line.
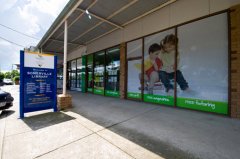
(113, 50)
(89, 16)
(100, 54)
(87, 12)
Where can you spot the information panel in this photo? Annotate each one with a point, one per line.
(38, 82)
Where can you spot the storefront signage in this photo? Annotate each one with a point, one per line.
(166, 100)
(134, 95)
(38, 82)
(112, 93)
(98, 91)
(204, 105)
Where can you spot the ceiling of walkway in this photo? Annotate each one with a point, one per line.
(106, 17)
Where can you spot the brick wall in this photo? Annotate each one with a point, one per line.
(235, 61)
(122, 70)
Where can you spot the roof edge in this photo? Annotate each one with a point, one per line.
(69, 6)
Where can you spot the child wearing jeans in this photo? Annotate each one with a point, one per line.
(151, 66)
(167, 55)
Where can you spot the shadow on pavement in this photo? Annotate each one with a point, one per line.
(48, 119)
(119, 116)
(168, 132)
(6, 113)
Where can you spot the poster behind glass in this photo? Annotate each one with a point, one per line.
(203, 61)
(134, 65)
(112, 72)
(159, 72)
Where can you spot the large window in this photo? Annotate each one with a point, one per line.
(79, 74)
(99, 71)
(134, 66)
(73, 75)
(89, 73)
(68, 74)
(159, 79)
(203, 61)
(112, 72)
(60, 78)
(186, 66)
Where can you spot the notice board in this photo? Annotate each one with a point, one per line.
(38, 82)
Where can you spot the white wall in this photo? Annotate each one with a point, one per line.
(171, 15)
(217, 5)
(109, 40)
(76, 53)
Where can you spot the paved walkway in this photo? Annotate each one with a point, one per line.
(61, 135)
(103, 127)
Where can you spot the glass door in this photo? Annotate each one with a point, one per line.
(112, 72)
(73, 75)
(99, 70)
(79, 75)
(89, 73)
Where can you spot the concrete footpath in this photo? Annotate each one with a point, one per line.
(61, 135)
(103, 127)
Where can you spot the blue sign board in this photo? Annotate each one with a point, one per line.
(38, 82)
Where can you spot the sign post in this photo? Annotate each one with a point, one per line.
(38, 82)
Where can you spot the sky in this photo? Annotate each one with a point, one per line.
(32, 17)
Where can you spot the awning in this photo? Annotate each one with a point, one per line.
(106, 17)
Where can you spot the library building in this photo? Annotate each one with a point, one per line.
(177, 53)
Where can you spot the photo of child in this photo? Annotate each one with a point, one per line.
(152, 65)
(156, 80)
(167, 56)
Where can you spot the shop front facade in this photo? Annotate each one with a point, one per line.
(183, 55)
(96, 73)
(200, 56)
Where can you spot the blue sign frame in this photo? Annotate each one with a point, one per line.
(38, 91)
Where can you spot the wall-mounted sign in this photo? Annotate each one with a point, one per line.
(38, 82)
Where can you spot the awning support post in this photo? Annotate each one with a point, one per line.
(65, 58)
(65, 100)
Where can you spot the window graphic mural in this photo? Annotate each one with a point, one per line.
(203, 53)
(186, 66)
(134, 66)
(159, 72)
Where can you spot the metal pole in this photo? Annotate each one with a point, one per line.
(65, 58)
